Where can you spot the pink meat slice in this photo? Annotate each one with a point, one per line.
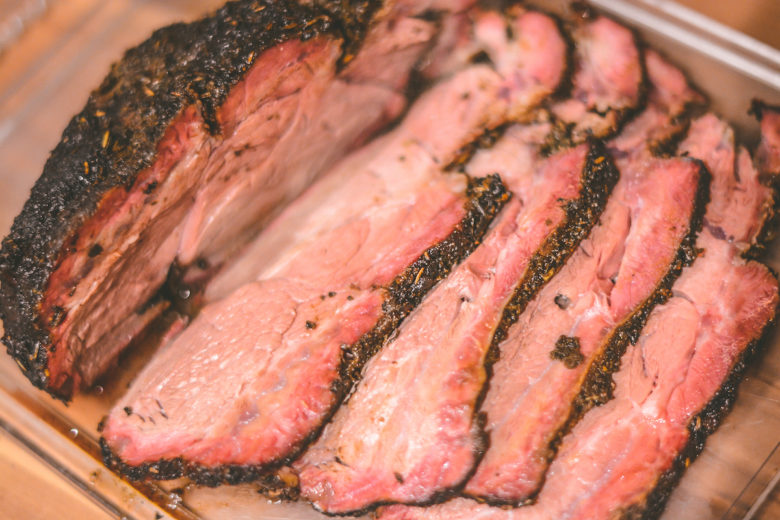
(683, 357)
(738, 188)
(614, 457)
(323, 287)
(609, 277)
(768, 153)
(432, 373)
(343, 471)
(663, 121)
(478, 34)
(613, 460)
(283, 125)
(608, 84)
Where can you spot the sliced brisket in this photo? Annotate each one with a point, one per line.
(599, 300)
(712, 140)
(609, 83)
(613, 460)
(551, 363)
(257, 373)
(768, 153)
(190, 143)
(659, 128)
(624, 458)
(432, 373)
(367, 454)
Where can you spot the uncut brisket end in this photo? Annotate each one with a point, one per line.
(178, 124)
(432, 372)
(259, 371)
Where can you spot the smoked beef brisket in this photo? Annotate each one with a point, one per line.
(192, 141)
(342, 472)
(257, 373)
(431, 374)
(679, 379)
(609, 84)
(398, 320)
(554, 358)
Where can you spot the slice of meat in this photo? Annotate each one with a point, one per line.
(659, 128)
(593, 323)
(234, 114)
(477, 35)
(476, 99)
(712, 139)
(553, 359)
(624, 458)
(681, 360)
(768, 153)
(342, 472)
(432, 373)
(329, 281)
(767, 163)
(609, 84)
(602, 307)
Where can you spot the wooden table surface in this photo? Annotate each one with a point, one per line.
(28, 488)
(758, 18)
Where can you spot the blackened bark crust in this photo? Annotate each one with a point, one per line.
(651, 505)
(598, 386)
(486, 197)
(116, 135)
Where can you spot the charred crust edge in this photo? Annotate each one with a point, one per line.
(701, 426)
(771, 179)
(192, 64)
(598, 386)
(598, 179)
(706, 422)
(560, 136)
(485, 198)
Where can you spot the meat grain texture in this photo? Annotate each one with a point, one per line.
(442, 277)
(180, 126)
(432, 373)
(265, 386)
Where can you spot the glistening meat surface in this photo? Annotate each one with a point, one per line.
(611, 462)
(526, 69)
(367, 454)
(236, 113)
(432, 373)
(548, 370)
(660, 122)
(333, 292)
(609, 465)
(675, 385)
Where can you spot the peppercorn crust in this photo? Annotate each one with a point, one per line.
(116, 137)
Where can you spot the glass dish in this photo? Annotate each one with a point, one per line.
(66, 49)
